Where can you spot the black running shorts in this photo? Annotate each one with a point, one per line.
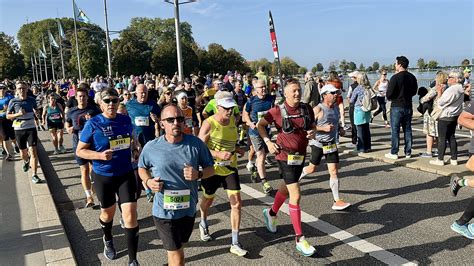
(317, 155)
(174, 232)
(211, 184)
(109, 187)
(289, 173)
(6, 129)
(26, 138)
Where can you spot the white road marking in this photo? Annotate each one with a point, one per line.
(327, 228)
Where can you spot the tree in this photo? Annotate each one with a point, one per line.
(421, 63)
(343, 66)
(375, 66)
(319, 67)
(465, 62)
(302, 70)
(11, 60)
(254, 65)
(432, 64)
(131, 55)
(361, 67)
(289, 66)
(164, 60)
(352, 66)
(332, 67)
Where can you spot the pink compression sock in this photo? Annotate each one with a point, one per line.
(295, 216)
(279, 200)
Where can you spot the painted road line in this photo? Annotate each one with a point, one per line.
(421, 130)
(333, 231)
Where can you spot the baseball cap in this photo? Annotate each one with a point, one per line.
(225, 99)
(354, 74)
(328, 88)
(467, 70)
(181, 95)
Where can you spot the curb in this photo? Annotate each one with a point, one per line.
(57, 252)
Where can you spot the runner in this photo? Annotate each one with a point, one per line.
(327, 115)
(295, 124)
(144, 114)
(21, 110)
(190, 125)
(108, 140)
(381, 86)
(53, 117)
(7, 134)
(219, 132)
(255, 109)
(163, 164)
(75, 121)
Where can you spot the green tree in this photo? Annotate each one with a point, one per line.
(164, 60)
(11, 60)
(343, 66)
(254, 65)
(131, 55)
(375, 66)
(361, 67)
(352, 66)
(332, 67)
(465, 62)
(319, 67)
(421, 63)
(432, 64)
(302, 70)
(220, 60)
(289, 66)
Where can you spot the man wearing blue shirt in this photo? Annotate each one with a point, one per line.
(169, 166)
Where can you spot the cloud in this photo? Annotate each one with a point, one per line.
(203, 10)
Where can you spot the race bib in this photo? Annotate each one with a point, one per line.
(223, 163)
(261, 114)
(294, 159)
(329, 148)
(119, 143)
(176, 199)
(142, 121)
(17, 123)
(189, 122)
(55, 116)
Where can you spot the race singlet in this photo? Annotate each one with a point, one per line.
(295, 159)
(176, 199)
(55, 116)
(119, 142)
(142, 121)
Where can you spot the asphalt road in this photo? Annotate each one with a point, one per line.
(399, 215)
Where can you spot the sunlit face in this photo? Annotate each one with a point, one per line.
(293, 93)
(226, 112)
(81, 98)
(183, 102)
(109, 105)
(141, 93)
(261, 90)
(172, 121)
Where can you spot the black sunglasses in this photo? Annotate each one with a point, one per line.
(227, 108)
(110, 100)
(179, 119)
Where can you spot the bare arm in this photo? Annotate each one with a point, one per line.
(466, 120)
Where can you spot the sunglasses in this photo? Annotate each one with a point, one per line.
(333, 92)
(179, 119)
(168, 93)
(227, 109)
(110, 100)
(126, 94)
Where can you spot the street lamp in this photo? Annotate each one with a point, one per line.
(176, 4)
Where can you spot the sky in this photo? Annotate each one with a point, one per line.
(308, 31)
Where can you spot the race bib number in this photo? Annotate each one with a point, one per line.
(329, 148)
(17, 123)
(55, 116)
(142, 121)
(261, 114)
(223, 163)
(189, 122)
(176, 199)
(119, 143)
(294, 159)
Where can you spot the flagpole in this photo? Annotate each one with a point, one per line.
(107, 39)
(41, 71)
(61, 50)
(33, 70)
(52, 63)
(36, 67)
(77, 43)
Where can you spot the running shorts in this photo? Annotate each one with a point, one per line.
(6, 129)
(211, 184)
(26, 138)
(174, 232)
(317, 155)
(108, 187)
(289, 173)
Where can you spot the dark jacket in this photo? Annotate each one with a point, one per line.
(401, 88)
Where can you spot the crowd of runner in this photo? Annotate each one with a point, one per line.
(172, 138)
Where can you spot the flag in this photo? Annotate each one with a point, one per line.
(80, 15)
(273, 37)
(52, 40)
(61, 31)
(44, 47)
(41, 53)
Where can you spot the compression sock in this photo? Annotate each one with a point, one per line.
(107, 229)
(295, 216)
(334, 185)
(132, 243)
(235, 237)
(279, 200)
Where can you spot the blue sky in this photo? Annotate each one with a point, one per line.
(309, 31)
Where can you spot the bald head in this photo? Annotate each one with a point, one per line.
(141, 93)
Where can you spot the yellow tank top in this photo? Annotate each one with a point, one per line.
(223, 138)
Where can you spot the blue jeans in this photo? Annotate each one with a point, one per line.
(401, 116)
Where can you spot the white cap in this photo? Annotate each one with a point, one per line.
(181, 95)
(328, 88)
(354, 74)
(225, 99)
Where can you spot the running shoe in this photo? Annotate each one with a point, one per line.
(149, 196)
(250, 166)
(134, 263)
(9, 158)
(238, 250)
(340, 205)
(4, 152)
(56, 152)
(435, 153)
(437, 162)
(391, 156)
(266, 187)
(454, 185)
(426, 155)
(470, 227)
(17, 149)
(407, 156)
(35, 179)
(350, 145)
(347, 127)
(62, 149)
(269, 162)
(204, 232)
(26, 166)
(462, 230)
(90, 202)
(270, 221)
(453, 162)
(304, 247)
(109, 249)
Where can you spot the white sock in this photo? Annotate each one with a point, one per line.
(88, 193)
(334, 185)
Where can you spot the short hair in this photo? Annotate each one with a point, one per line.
(292, 81)
(457, 75)
(83, 87)
(108, 92)
(403, 61)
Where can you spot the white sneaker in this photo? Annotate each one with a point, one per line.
(350, 146)
(204, 233)
(56, 152)
(437, 162)
(238, 250)
(304, 247)
(391, 156)
(453, 162)
(250, 165)
(270, 221)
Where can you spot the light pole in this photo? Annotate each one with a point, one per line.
(107, 39)
(176, 4)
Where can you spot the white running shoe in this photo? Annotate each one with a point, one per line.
(238, 250)
(270, 221)
(391, 156)
(250, 165)
(304, 247)
(204, 232)
(340, 205)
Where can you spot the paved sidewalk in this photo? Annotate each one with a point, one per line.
(31, 232)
